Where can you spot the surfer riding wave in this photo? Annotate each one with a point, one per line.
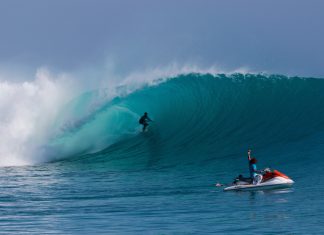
(144, 121)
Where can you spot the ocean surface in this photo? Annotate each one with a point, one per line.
(88, 168)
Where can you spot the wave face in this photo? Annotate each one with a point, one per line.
(198, 119)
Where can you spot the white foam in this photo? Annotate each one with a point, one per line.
(27, 111)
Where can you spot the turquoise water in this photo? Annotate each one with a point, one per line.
(108, 177)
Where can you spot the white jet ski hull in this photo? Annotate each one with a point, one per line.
(275, 183)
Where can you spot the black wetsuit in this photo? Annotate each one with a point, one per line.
(144, 121)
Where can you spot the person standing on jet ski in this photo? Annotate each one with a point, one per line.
(144, 121)
(253, 169)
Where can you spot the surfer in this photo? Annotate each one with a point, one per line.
(144, 121)
(253, 169)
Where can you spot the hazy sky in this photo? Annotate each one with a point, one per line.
(277, 36)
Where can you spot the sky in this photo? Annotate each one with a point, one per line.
(277, 36)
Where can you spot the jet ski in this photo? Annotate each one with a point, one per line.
(269, 179)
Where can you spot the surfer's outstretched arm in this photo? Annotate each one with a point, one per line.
(249, 154)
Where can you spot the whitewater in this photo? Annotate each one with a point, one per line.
(74, 160)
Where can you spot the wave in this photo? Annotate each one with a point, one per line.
(196, 117)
